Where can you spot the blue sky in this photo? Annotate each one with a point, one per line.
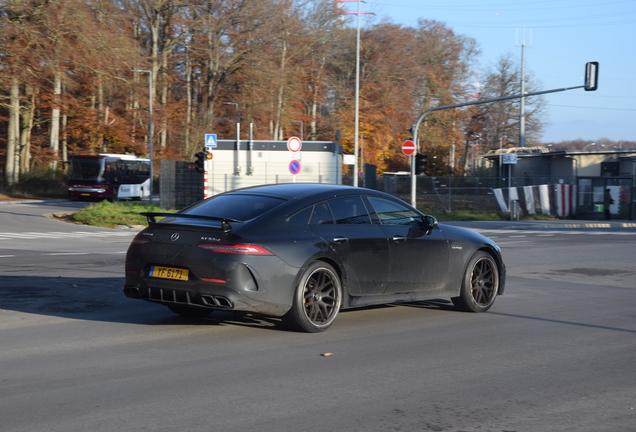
(560, 37)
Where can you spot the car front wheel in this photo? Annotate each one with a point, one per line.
(480, 284)
(317, 299)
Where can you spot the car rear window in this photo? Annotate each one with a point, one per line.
(239, 207)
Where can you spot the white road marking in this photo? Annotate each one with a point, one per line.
(64, 235)
(67, 253)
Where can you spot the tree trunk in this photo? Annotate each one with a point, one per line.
(11, 174)
(25, 133)
(163, 137)
(55, 115)
(101, 145)
(188, 79)
(280, 102)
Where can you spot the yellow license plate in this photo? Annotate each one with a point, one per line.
(169, 273)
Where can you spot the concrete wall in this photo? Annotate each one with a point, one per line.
(268, 162)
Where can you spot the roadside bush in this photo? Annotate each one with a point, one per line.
(41, 183)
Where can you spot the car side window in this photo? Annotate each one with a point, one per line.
(302, 217)
(393, 213)
(349, 210)
(321, 215)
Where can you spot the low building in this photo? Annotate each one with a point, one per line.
(576, 180)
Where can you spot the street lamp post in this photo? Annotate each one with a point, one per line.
(150, 125)
(301, 128)
(237, 109)
(356, 126)
(356, 121)
(237, 168)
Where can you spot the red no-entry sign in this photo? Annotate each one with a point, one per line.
(408, 147)
(294, 144)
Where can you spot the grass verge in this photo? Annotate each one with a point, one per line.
(481, 216)
(106, 214)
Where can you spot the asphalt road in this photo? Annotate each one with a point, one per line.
(555, 353)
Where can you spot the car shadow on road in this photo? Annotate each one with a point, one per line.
(102, 299)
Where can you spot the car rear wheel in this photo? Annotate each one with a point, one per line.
(317, 299)
(189, 312)
(480, 284)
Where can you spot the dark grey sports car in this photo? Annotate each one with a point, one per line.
(303, 252)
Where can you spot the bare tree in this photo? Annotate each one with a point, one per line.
(501, 119)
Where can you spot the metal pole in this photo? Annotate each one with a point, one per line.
(235, 106)
(151, 134)
(356, 125)
(150, 126)
(522, 113)
(301, 128)
(500, 165)
(237, 168)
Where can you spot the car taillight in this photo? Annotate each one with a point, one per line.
(138, 240)
(242, 249)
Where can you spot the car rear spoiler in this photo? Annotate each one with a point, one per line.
(225, 222)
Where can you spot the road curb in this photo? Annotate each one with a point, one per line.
(574, 225)
(30, 201)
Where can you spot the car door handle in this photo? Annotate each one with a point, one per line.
(399, 239)
(340, 240)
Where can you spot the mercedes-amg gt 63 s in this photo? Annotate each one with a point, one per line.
(303, 252)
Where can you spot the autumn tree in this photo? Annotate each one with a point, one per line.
(405, 71)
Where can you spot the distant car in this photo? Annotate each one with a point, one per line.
(303, 252)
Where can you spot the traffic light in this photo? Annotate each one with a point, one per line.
(420, 163)
(591, 76)
(200, 162)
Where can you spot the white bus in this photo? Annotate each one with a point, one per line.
(109, 176)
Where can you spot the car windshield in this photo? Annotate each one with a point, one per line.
(240, 207)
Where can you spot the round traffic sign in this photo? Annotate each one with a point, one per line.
(294, 144)
(408, 147)
(294, 167)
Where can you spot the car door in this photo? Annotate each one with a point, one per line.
(345, 225)
(419, 259)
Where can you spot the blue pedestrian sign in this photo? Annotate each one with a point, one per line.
(210, 140)
(294, 167)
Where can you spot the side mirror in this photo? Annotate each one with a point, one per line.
(429, 222)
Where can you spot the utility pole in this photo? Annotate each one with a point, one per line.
(150, 126)
(522, 107)
(356, 120)
(522, 112)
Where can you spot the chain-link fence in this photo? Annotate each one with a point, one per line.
(454, 193)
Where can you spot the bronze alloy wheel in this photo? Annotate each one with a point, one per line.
(318, 299)
(484, 281)
(480, 284)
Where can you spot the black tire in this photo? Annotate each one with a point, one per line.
(189, 312)
(317, 299)
(480, 285)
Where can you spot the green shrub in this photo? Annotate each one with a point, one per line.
(40, 183)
